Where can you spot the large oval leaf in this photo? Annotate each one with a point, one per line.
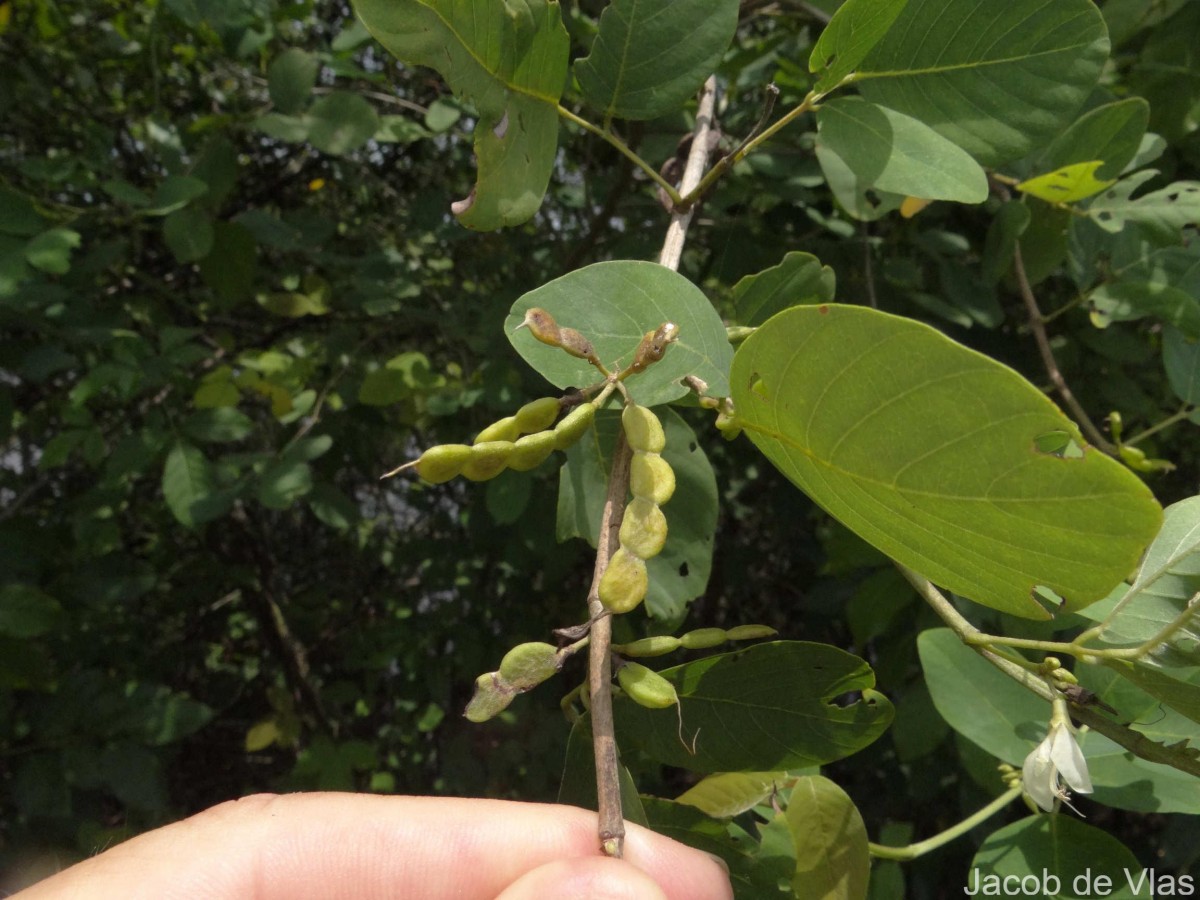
(648, 58)
(510, 60)
(833, 861)
(768, 707)
(930, 451)
(613, 304)
(998, 79)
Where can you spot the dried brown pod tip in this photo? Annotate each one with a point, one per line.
(543, 327)
(654, 344)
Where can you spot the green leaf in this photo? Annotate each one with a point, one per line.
(219, 425)
(851, 34)
(1063, 856)
(680, 573)
(768, 707)
(1177, 688)
(441, 116)
(978, 701)
(231, 265)
(1164, 284)
(332, 507)
(1009, 224)
(927, 450)
(189, 485)
(688, 825)
(284, 482)
(729, 794)
(176, 192)
(1181, 359)
(1164, 211)
(1111, 133)
(18, 215)
(341, 122)
(614, 304)
(50, 251)
(510, 61)
(1068, 184)
(290, 79)
(896, 153)
(646, 60)
(996, 79)
(126, 193)
(832, 858)
(798, 278)
(28, 612)
(189, 234)
(508, 497)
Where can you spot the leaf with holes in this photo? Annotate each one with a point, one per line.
(1069, 184)
(929, 451)
(997, 79)
(648, 58)
(614, 304)
(1164, 211)
(510, 60)
(768, 707)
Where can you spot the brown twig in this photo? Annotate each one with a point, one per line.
(697, 159)
(608, 781)
(1037, 324)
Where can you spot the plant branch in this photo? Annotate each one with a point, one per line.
(697, 159)
(920, 848)
(1178, 757)
(604, 743)
(1170, 420)
(623, 149)
(1037, 324)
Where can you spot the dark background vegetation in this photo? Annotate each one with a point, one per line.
(224, 311)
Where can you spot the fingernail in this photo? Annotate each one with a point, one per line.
(720, 862)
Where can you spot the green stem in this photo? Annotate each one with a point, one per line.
(727, 162)
(912, 851)
(1170, 420)
(624, 149)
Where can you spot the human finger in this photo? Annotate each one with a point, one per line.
(585, 878)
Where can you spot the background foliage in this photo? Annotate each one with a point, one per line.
(232, 294)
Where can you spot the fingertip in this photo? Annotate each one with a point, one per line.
(684, 872)
(585, 878)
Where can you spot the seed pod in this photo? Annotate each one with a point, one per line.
(573, 426)
(527, 665)
(491, 697)
(623, 585)
(576, 344)
(702, 638)
(750, 632)
(653, 345)
(644, 529)
(646, 687)
(488, 460)
(657, 645)
(651, 477)
(541, 325)
(531, 451)
(506, 429)
(642, 429)
(439, 464)
(537, 415)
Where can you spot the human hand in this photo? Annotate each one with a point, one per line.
(361, 846)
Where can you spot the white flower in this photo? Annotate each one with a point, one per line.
(1056, 760)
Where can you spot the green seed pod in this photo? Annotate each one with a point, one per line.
(488, 460)
(750, 632)
(651, 477)
(439, 464)
(531, 451)
(537, 415)
(642, 429)
(573, 426)
(644, 529)
(491, 697)
(623, 585)
(656, 645)
(703, 638)
(527, 665)
(506, 429)
(646, 687)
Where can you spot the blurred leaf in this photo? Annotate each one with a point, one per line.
(189, 234)
(284, 482)
(643, 64)
(933, 459)
(176, 192)
(1111, 133)
(27, 612)
(1181, 359)
(190, 487)
(341, 122)
(856, 27)
(290, 79)
(50, 251)
(218, 425)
